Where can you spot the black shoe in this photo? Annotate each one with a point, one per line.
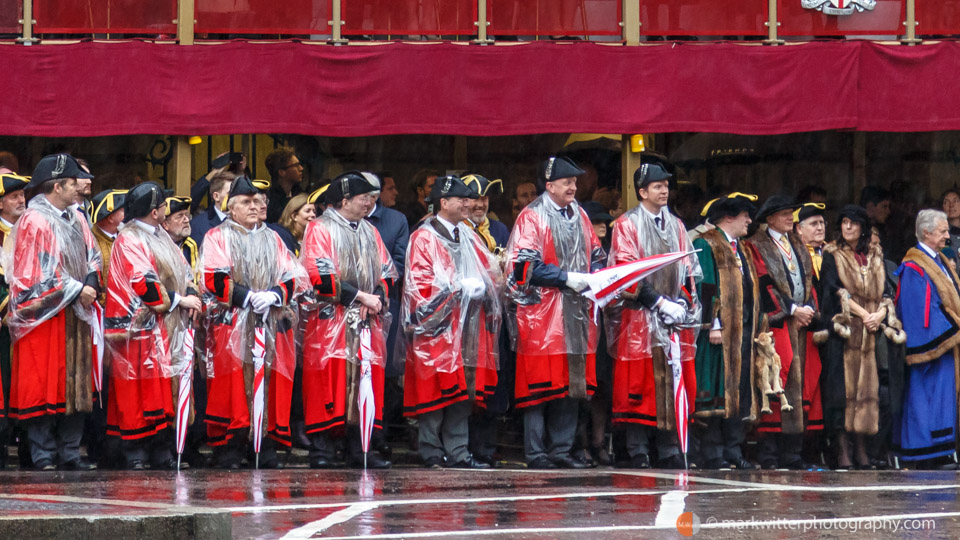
(135, 465)
(742, 464)
(673, 462)
(801, 466)
(435, 462)
(468, 463)
(374, 461)
(716, 464)
(584, 457)
(321, 463)
(78, 465)
(768, 466)
(640, 461)
(44, 465)
(601, 456)
(541, 462)
(566, 461)
(489, 460)
(170, 465)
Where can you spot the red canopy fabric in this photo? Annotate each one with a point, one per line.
(92, 89)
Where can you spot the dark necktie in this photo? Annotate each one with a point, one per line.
(354, 225)
(659, 221)
(456, 234)
(65, 216)
(566, 211)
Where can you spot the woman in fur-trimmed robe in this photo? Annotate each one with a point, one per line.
(854, 304)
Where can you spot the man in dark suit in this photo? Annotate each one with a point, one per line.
(201, 223)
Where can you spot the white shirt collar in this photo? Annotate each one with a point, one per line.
(145, 226)
(112, 236)
(556, 206)
(221, 215)
(729, 239)
(450, 226)
(341, 216)
(774, 234)
(929, 251)
(6, 223)
(653, 216)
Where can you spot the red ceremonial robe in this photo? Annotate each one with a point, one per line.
(547, 314)
(452, 343)
(235, 261)
(146, 270)
(56, 256)
(341, 261)
(642, 378)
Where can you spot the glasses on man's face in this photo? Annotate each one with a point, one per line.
(296, 164)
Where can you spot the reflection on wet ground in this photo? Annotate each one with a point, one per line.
(609, 503)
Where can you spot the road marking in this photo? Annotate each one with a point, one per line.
(336, 518)
(582, 495)
(759, 525)
(671, 506)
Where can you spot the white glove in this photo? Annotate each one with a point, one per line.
(261, 301)
(577, 281)
(473, 287)
(671, 312)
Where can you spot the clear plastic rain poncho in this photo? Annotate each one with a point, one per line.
(451, 302)
(551, 320)
(46, 257)
(631, 329)
(145, 340)
(335, 254)
(257, 260)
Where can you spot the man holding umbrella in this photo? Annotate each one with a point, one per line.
(350, 272)
(55, 280)
(552, 247)
(250, 279)
(789, 300)
(151, 300)
(648, 322)
(451, 319)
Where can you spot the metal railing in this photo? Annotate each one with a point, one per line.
(482, 21)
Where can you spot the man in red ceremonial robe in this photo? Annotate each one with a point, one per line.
(151, 300)
(642, 323)
(53, 267)
(350, 272)
(451, 320)
(249, 281)
(552, 246)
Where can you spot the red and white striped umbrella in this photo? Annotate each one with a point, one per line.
(606, 284)
(680, 404)
(259, 354)
(365, 399)
(183, 395)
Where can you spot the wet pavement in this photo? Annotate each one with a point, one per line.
(598, 503)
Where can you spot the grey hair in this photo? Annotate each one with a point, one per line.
(927, 221)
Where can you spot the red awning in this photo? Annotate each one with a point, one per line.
(92, 89)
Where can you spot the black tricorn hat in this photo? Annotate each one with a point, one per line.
(348, 184)
(648, 173)
(555, 168)
(731, 206)
(143, 199)
(12, 182)
(178, 204)
(54, 167)
(775, 204)
(451, 186)
(107, 202)
(808, 210)
(484, 186)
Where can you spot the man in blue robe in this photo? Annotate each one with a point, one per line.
(928, 303)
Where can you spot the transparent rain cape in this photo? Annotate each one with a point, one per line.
(445, 329)
(142, 341)
(256, 259)
(631, 328)
(45, 259)
(556, 314)
(357, 257)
